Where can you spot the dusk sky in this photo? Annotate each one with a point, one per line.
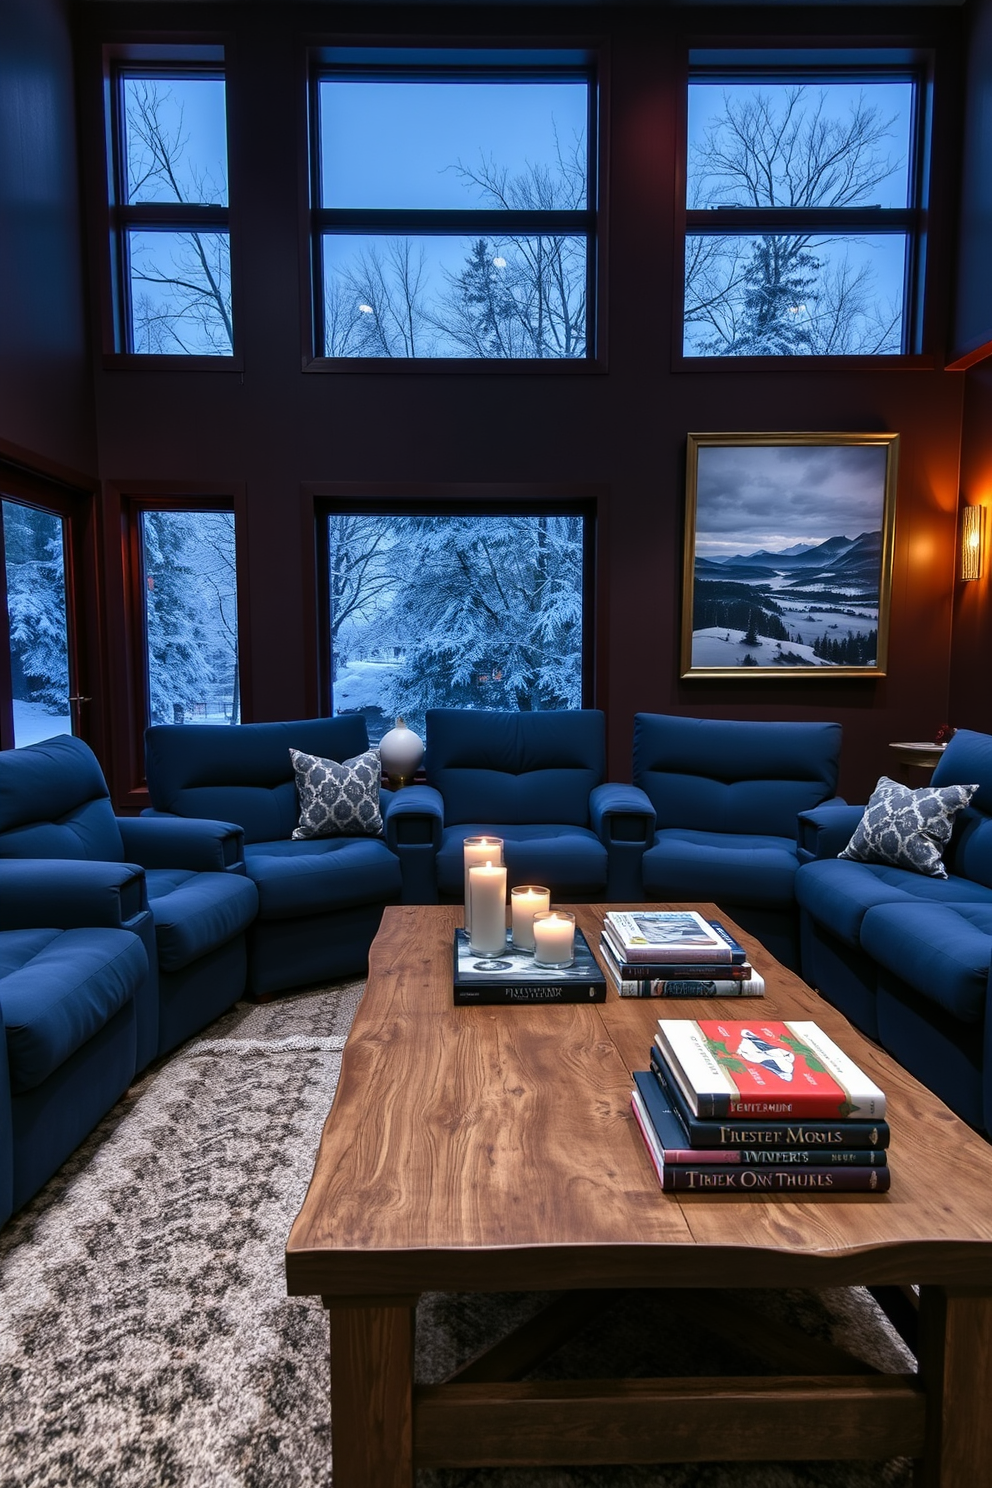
(772, 496)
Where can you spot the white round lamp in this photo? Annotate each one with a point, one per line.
(400, 752)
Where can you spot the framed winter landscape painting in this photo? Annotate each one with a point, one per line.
(788, 554)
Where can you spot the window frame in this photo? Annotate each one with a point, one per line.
(778, 64)
(326, 499)
(148, 60)
(493, 62)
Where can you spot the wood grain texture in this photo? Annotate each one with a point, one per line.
(544, 1422)
(955, 1361)
(494, 1149)
(372, 1391)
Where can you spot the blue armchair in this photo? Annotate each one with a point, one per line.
(906, 956)
(320, 899)
(536, 781)
(727, 797)
(69, 1014)
(78, 859)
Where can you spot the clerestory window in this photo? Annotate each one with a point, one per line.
(454, 208)
(804, 208)
(171, 242)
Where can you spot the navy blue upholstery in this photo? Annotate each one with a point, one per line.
(907, 957)
(320, 899)
(727, 796)
(56, 817)
(68, 1043)
(536, 781)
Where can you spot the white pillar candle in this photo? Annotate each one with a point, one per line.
(526, 900)
(477, 851)
(487, 897)
(554, 938)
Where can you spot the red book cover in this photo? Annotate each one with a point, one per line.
(765, 1068)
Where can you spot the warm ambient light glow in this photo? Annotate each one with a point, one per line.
(972, 542)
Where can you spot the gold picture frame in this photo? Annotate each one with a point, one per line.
(788, 554)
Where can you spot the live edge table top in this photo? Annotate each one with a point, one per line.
(494, 1149)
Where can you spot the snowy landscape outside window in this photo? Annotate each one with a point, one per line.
(191, 624)
(802, 219)
(34, 555)
(169, 205)
(465, 611)
(454, 215)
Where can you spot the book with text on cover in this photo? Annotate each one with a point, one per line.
(513, 977)
(727, 1178)
(765, 1068)
(830, 1135)
(664, 935)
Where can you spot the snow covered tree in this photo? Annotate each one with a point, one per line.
(36, 606)
(178, 638)
(491, 614)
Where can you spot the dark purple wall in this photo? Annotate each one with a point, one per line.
(276, 428)
(46, 402)
(970, 702)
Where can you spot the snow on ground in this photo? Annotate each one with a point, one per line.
(32, 723)
(720, 647)
(361, 684)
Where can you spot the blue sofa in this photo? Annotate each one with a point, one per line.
(56, 819)
(320, 900)
(69, 1002)
(726, 796)
(537, 781)
(905, 956)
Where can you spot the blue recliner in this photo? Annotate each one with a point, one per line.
(906, 956)
(69, 1011)
(727, 796)
(537, 781)
(320, 899)
(56, 816)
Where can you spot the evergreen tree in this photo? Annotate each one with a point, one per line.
(179, 671)
(36, 606)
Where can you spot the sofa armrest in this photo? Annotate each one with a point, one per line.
(194, 843)
(412, 822)
(826, 830)
(624, 820)
(66, 894)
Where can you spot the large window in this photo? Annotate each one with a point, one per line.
(451, 609)
(35, 564)
(803, 193)
(172, 250)
(189, 623)
(454, 210)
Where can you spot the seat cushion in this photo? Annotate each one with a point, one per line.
(943, 951)
(194, 913)
(741, 868)
(838, 893)
(566, 859)
(321, 875)
(67, 987)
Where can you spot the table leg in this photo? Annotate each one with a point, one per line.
(955, 1360)
(372, 1392)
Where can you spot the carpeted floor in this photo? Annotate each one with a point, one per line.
(145, 1335)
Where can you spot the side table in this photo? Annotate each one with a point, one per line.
(922, 756)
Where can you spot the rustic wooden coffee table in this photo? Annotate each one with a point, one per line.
(492, 1149)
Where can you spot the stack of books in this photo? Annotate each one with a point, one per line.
(675, 953)
(759, 1107)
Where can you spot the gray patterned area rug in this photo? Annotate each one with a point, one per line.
(146, 1338)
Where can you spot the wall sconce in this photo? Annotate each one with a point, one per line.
(972, 542)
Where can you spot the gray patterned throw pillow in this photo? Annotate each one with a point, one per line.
(338, 800)
(908, 828)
